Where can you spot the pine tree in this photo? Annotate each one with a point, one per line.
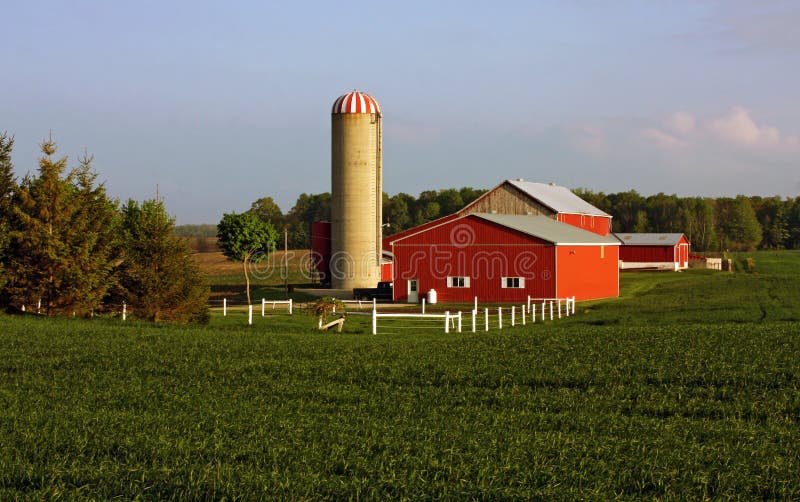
(7, 189)
(62, 243)
(158, 277)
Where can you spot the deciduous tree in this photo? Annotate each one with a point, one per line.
(245, 238)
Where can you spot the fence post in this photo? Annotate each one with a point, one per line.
(474, 315)
(500, 317)
(559, 308)
(533, 313)
(544, 310)
(124, 310)
(250, 314)
(573, 304)
(374, 322)
(522, 307)
(476, 303)
(224, 307)
(291, 302)
(513, 315)
(447, 321)
(423, 306)
(459, 321)
(263, 304)
(551, 310)
(567, 305)
(529, 302)
(486, 318)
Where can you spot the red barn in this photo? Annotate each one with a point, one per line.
(548, 199)
(504, 258)
(654, 251)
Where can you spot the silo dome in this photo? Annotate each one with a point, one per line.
(356, 102)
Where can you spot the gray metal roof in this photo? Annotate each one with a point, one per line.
(549, 229)
(649, 239)
(559, 199)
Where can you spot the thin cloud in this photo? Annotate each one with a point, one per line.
(738, 128)
(734, 128)
(662, 139)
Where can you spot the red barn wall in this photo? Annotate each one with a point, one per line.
(474, 248)
(600, 225)
(647, 254)
(587, 272)
(321, 247)
(386, 272)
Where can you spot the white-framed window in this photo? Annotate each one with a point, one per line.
(458, 282)
(512, 282)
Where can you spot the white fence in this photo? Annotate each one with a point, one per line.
(541, 309)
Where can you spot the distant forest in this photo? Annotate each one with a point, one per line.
(712, 224)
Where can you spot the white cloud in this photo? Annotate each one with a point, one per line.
(662, 139)
(734, 128)
(681, 123)
(737, 127)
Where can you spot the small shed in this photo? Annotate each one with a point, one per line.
(504, 258)
(653, 251)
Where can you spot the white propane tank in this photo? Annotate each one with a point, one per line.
(432, 296)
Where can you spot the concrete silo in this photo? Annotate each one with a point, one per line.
(356, 191)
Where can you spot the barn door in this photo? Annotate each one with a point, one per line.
(413, 293)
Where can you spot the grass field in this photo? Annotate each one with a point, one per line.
(688, 387)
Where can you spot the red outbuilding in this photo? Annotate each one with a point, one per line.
(504, 258)
(653, 251)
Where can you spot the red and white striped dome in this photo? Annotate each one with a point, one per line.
(356, 102)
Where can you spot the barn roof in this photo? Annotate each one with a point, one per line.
(645, 239)
(548, 229)
(559, 199)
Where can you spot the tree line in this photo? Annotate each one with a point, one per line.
(400, 212)
(738, 223)
(67, 248)
(711, 224)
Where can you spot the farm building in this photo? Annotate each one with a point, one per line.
(527, 198)
(548, 199)
(653, 251)
(505, 258)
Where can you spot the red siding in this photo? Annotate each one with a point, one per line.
(474, 248)
(587, 272)
(647, 254)
(409, 231)
(598, 224)
(386, 272)
(321, 248)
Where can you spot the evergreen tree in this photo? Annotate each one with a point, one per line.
(62, 244)
(245, 238)
(7, 189)
(158, 277)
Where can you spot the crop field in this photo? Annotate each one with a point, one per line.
(686, 387)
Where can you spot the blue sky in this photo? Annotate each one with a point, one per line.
(221, 103)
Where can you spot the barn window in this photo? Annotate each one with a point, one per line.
(512, 282)
(458, 282)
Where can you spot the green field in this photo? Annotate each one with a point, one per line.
(688, 386)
